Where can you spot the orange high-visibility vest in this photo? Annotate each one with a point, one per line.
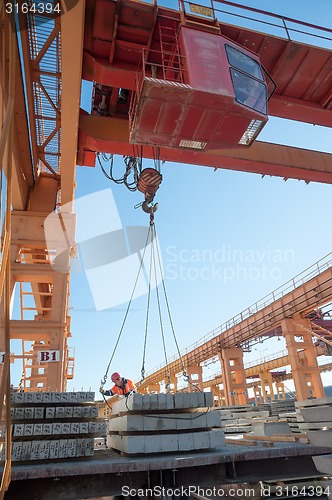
(128, 387)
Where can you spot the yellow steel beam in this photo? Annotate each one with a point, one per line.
(72, 28)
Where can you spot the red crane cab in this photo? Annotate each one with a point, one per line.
(199, 91)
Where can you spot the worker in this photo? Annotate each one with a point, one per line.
(122, 386)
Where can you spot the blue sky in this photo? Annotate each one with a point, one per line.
(227, 239)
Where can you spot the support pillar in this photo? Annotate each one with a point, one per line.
(152, 388)
(302, 355)
(234, 376)
(266, 386)
(258, 395)
(195, 373)
(280, 388)
(216, 394)
(174, 383)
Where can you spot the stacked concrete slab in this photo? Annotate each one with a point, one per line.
(159, 423)
(281, 406)
(53, 425)
(238, 419)
(315, 418)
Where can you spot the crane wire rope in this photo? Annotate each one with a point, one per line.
(103, 381)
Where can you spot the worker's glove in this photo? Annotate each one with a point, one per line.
(101, 390)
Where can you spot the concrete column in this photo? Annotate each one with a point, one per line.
(302, 356)
(266, 386)
(258, 395)
(216, 394)
(153, 388)
(195, 373)
(174, 383)
(280, 387)
(234, 376)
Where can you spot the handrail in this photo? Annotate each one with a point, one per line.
(285, 22)
(301, 278)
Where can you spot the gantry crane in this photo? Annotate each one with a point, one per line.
(147, 102)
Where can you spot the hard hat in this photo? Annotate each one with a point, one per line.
(114, 376)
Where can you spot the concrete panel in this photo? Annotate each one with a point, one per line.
(323, 464)
(314, 402)
(162, 401)
(201, 440)
(54, 449)
(269, 428)
(26, 450)
(320, 438)
(208, 399)
(217, 438)
(169, 442)
(317, 414)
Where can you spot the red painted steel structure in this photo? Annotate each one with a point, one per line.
(116, 35)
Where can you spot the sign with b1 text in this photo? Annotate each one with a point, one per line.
(48, 356)
(2, 358)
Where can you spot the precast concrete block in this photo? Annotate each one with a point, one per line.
(314, 402)
(38, 429)
(154, 402)
(81, 397)
(169, 401)
(163, 422)
(186, 441)
(71, 448)
(320, 438)
(127, 444)
(169, 442)
(64, 397)
(152, 444)
(162, 401)
(80, 447)
(77, 412)
(19, 397)
(16, 451)
(63, 445)
(68, 413)
(56, 397)
(38, 397)
(323, 463)
(269, 428)
(35, 445)
(56, 428)
(217, 438)
(28, 397)
(200, 399)
(92, 427)
(26, 450)
(54, 449)
(44, 450)
(208, 399)
(59, 412)
(90, 397)
(73, 398)
(132, 403)
(18, 430)
(47, 397)
(39, 412)
(28, 429)
(47, 429)
(75, 428)
(65, 428)
(29, 412)
(184, 421)
(317, 414)
(94, 411)
(146, 402)
(213, 419)
(86, 412)
(50, 412)
(84, 427)
(201, 440)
